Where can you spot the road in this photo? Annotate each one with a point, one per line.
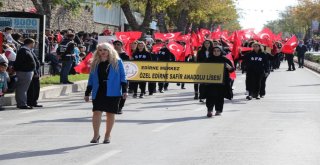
(172, 129)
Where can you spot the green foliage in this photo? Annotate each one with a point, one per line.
(313, 58)
(54, 80)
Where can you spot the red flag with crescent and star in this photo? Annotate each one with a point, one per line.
(177, 50)
(84, 66)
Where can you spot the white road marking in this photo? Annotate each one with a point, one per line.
(28, 111)
(103, 157)
(164, 126)
(313, 72)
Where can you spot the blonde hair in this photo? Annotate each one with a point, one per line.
(113, 56)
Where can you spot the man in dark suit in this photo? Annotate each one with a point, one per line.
(301, 50)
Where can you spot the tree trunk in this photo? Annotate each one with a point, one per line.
(147, 17)
(44, 8)
(182, 21)
(129, 15)
(161, 22)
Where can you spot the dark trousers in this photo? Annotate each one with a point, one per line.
(163, 85)
(196, 88)
(202, 91)
(152, 87)
(254, 83)
(142, 86)
(215, 101)
(66, 67)
(290, 62)
(301, 61)
(263, 86)
(33, 92)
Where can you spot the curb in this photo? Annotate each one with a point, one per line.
(50, 92)
(311, 65)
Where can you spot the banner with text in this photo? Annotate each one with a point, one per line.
(174, 72)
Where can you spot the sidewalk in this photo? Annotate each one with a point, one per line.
(311, 65)
(50, 92)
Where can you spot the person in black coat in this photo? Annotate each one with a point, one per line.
(203, 54)
(215, 93)
(24, 65)
(256, 68)
(301, 49)
(124, 57)
(34, 87)
(140, 54)
(66, 53)
(166, 56)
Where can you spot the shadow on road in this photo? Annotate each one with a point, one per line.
(173, 120)
(27, 154)
(305, 85)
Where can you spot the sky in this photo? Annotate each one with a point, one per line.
(256, 13)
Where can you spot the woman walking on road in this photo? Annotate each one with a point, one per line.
(215, 93)
(107, 83)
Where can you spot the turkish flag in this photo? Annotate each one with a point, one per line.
(216, 34)
(84, 66)
(278, 37)
(166, 36)
(205, 32)
(195, 40)
(185, 38)
(236, 46)
(156, 48)
(247, 33)
(127, 39)
(224, 35)
(233, 74)
(265, 37)
(177, 50)
(290, 45)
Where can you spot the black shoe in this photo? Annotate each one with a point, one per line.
(135, 95)
(201, 101)
(106, 141)
(37, 105)
(289, 70)
(95, 140)
(249, 97)
(183, 88)
(196, 97)
(161, 91)
(69, 82)
(150, 94)
(24, 107)
(209, 114)
(262, 96)
(218, 114)
(141, 96)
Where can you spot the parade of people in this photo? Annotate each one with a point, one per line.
(193, 79)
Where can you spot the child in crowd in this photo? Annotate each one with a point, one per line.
(3, 81)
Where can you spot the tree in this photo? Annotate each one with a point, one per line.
(45, 7)
(204, 13)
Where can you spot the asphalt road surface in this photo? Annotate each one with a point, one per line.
(172, 129)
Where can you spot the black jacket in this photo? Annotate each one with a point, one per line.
(222, 90)
(301, 50)
(201, 56)
(256, 62)
(141, 56)
(124, 56)
(165, 55)
(65, 50)
(24, 61)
